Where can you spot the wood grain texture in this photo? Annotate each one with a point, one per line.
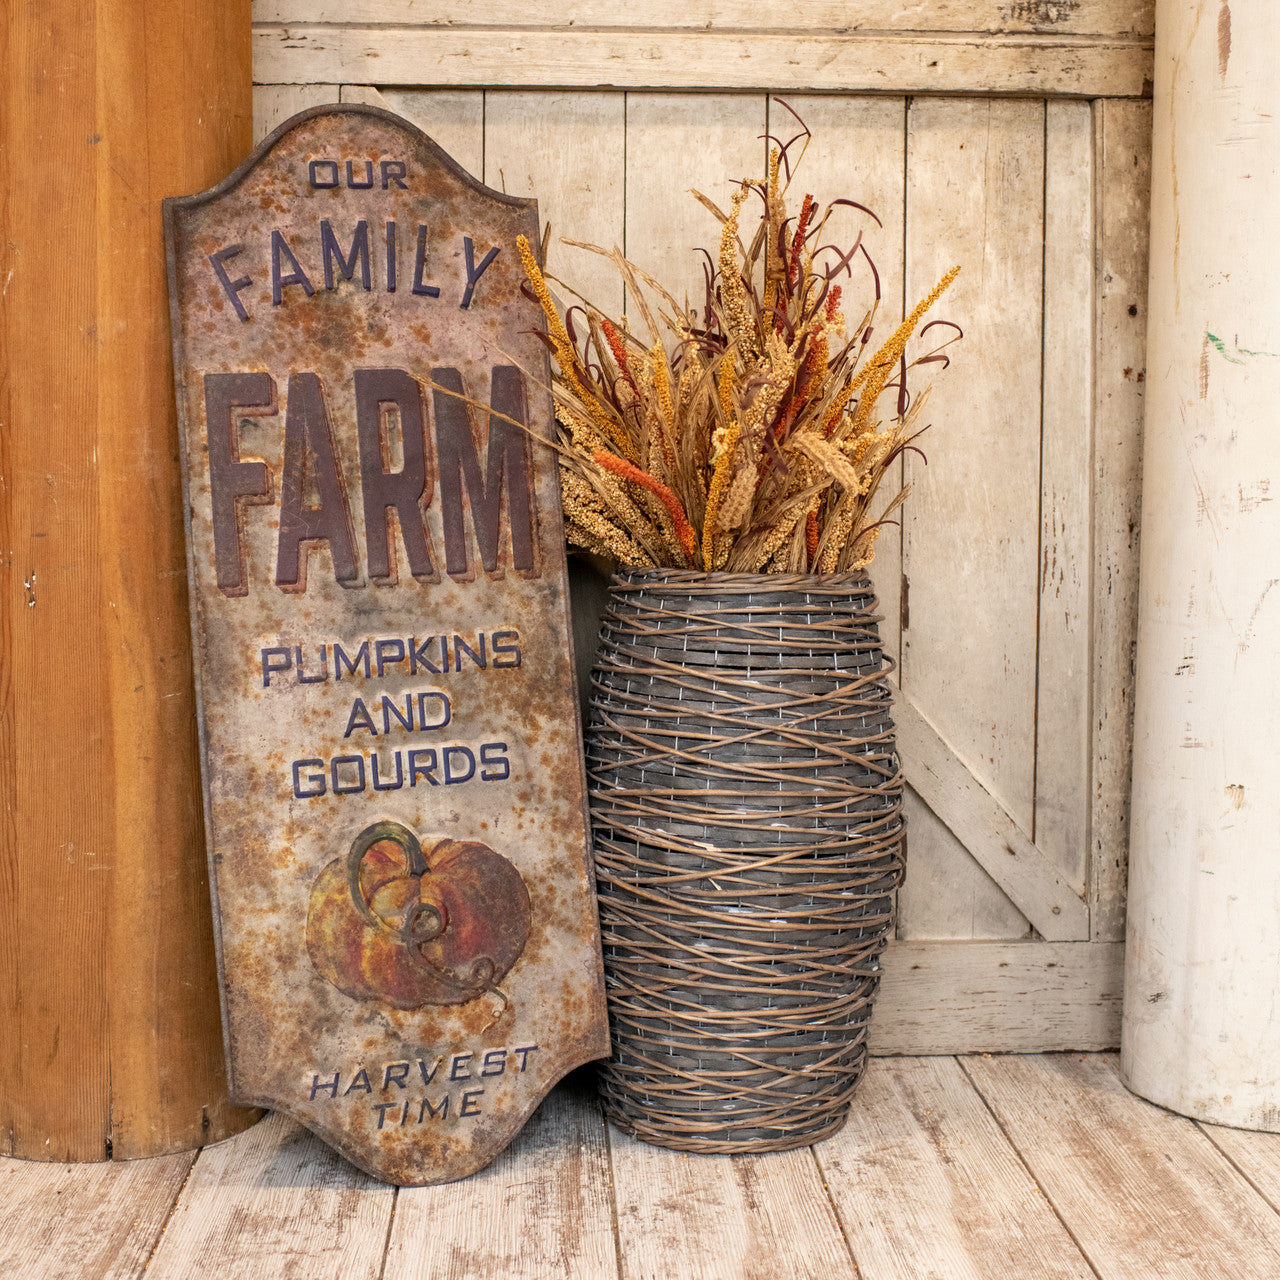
(1256, 1155)
(975, 197)
(568, 151)
(851, 62)
(543, 1208)
(677, 142)
(55, 1100)
(926, 1185)
(275, 1204)
(948, 895)
(1064, 675)
(96, 1221)
(1124, 187)
(452, 117)
(998, 997)
(1075, 17)
(112, 1012)
(986, 829)
(273, 104)
(1145, 1191)
(723, 1217)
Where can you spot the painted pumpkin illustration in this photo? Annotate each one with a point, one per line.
(407, 926)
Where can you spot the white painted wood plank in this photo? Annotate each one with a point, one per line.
(1065, 676)
(452, 117)
(543, 1208)
(998, 997)
(273, 104)
(677, 142)
(951, 789)
(1256, 1155)
(1124, 187)
(926, 1185)
(975, 198)
(275, 1203)
(947, 895)
(1145, 1192)
(1074, 17)
(568, 150)
(723, 1217)
(92, 1220)
(850, 62)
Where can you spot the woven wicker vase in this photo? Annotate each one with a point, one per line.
(746, 808)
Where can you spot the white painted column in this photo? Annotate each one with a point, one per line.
(1202, 985)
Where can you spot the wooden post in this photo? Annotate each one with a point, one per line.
(110, 1043)
(1202, 990)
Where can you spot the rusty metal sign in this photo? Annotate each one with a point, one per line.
(394, 793)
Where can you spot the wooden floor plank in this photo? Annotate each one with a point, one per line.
(542, 1208)
(723, 1217)
(275, 1203)
(87, 1220)
(1256, 1155)
(1143, 1190)
(927, 1186)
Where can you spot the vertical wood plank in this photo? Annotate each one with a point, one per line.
(90, 1220)
(452, 117)
(975, 196)
(1124, 148)
(857, 152)
(568, 150)
(108, 995)
(543, 1208)
(1145, 1192)
(677, 142)
(1063, 742)
(56, 1037)
(273, 104)
(927, 1185)
(946, 895)
(723, 1217)
(275, 1202)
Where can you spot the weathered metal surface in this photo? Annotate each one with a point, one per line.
(408, 941)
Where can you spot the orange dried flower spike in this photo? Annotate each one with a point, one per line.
(614, 339)
(629, 471)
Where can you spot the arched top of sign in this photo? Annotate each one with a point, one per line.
(349, 110)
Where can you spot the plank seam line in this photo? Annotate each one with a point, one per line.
(613, 1188)
(1031, 1173)
(1235, 1164)
(1092, 867)
(168, 1217)
(1001, 39)
(904, 582)
(835, 1209)
(659, 86)
(1040, 573)
(386, 1240)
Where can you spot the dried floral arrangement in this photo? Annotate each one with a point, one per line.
(743, 438)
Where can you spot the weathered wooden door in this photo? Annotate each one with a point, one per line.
(1009, 592)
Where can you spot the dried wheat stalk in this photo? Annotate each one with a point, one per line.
(744, 438)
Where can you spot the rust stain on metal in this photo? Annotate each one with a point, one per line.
(408, 941)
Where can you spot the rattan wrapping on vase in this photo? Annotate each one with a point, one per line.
(746, 810)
